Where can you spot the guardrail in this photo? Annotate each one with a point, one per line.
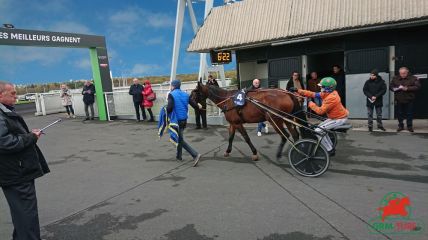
(119, 104)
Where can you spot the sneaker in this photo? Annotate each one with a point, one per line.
(370, 129)
(381, 128)
(399, 129)
(86, 119)
(266, 129)
(68, 116)
(259, 134)
(196, 160)
(410, 129)
(92, 118)
(74, 116)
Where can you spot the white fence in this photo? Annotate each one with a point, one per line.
(119, 104)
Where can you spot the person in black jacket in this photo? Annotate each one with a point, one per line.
(136, 90)
(212, 81)
(374, 89)
(88, 93)
(339, 76)
(21, 161)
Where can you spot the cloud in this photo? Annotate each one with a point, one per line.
(73, 27)
(45, 56)
(144, 69)
(131, 23)
(83, 63)
(155, 41)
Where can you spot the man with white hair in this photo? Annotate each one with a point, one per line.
(405, 87)
(21, 161)
(136, 90)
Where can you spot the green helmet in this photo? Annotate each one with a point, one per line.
(328, 82)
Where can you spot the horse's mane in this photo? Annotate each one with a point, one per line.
(219, 92)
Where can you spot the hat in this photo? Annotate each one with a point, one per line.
(176, 83)
(374, 72)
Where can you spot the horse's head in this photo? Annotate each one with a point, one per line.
(202, 89)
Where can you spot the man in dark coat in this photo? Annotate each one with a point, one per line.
(136, 90)
(88, 93)
(212, 81)
(21, 161)
(200, 113)
(339, 76)
(405, 87)
(374, 89)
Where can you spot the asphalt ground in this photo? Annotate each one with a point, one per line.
(116, 180)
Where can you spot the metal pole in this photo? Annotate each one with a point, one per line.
(177, 37)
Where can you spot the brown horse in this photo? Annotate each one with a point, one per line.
(250, 113)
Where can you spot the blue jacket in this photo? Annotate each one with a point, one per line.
(181, 104)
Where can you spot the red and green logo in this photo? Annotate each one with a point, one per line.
(395, 216)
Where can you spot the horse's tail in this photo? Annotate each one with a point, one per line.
(301, 118)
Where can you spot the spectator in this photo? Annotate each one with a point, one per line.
(200, 113)
(178, 102)
(312, 85)
(148, 98)
(21, 162)
(374, 89)
(66, 101)
(404, 87)
(212, 81)
(339, 76)
(136, 91)
(260, 125)
(89, 98)
(295, 81)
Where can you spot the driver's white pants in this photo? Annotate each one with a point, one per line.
(328, 124)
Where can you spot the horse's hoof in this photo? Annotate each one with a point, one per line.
(226, 154)
(255, 157)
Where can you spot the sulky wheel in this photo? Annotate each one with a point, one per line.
(308, 159)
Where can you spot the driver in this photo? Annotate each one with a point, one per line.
(337, 114)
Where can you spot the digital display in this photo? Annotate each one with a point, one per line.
(221, 57)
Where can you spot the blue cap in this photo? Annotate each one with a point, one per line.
(176, 83)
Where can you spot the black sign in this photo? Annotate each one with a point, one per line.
(221, 57)
(22, 37)
(104, 69)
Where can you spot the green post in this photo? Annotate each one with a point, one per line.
(102, 114)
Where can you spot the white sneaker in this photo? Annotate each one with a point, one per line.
(266, 129)
(259, 134)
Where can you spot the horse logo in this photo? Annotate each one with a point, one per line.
(394, 216)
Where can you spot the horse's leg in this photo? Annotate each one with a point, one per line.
(247, 139)
(232, 130)
(292, 129)
(278, 125)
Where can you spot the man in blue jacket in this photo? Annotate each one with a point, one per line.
(178, 102)
(21, 161)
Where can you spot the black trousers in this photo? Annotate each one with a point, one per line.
(201, 114)
(150, 113)
(22, 202)
(378, 116)
(137, 107)
(69, 109)
(405, 111)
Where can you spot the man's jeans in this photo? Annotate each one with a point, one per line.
(183, 144)
(405, 111)
(378, 116)
(92, 110)
(260, 126)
